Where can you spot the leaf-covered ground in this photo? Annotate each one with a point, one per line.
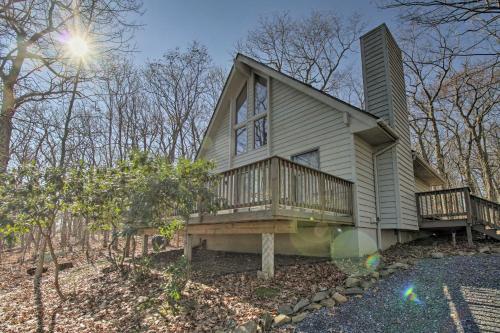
(224, 290)
(107, 302)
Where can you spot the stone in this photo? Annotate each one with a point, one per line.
(65, 265)
(281, 320)
(265, 321)
(319, 296)
(437, 255)
(399, 265)
(32, 270)
(300, 305)
(339, 288)
(286, 309)
(339, 298)
(366, 284)
(386, 272)
(461, 253)
(329, 302)
(353, 291)
(142, 299)
(313, 307)
(298, 318)
(248, 327)
(495, 250)
(375, 275)
(484, 249)
(352, 282)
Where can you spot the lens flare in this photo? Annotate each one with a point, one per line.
(373, 261)
(410, 295)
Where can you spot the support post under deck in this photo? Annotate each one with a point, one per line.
(268, 255)
(188, 247)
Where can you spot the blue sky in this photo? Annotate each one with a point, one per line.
(219, 24)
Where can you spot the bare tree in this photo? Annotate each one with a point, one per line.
(33, 63)
(182, 86)
(477, 18)
(311, 49)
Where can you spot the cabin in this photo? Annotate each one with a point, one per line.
(304, 173)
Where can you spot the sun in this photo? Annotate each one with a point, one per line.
(78, 47)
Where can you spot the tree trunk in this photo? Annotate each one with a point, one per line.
(37, 286)
(126, 251)
(48, 240)
(7, 112)
(145, 245)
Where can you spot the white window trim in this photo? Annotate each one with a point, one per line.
(249, 123)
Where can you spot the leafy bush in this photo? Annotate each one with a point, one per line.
(176, 277)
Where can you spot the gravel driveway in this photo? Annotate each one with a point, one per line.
(454, 294)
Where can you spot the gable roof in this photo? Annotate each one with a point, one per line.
(370, 121)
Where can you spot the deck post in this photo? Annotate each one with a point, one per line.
(188, 247)
(268, 255)
(468, 207)
(453, 238)
(274, 185)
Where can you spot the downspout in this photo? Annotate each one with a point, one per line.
(377, 196)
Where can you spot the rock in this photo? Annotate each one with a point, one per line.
(319, 296)
(366, 284)
(339, 288)
(265, 321)
(32, 270)
(313, 307)
(301, 304)
(298, 318)
(353, 291)
(387, 272)
(495, 250)
(351, 282)
(142, 299)
(437, 255)
(248, 327)
(285, 309)
(281, 320)
(329, 302)
(339, 298)
(375, 275)
(65, 265)
(484, 249)
(399, 265)
(461, 253)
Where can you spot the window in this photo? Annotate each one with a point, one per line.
(260, 132)
(260, 95)
(310, 158)
(241, 140)
(241, 106)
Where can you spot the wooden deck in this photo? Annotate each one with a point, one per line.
(458, 208)
(275, 194)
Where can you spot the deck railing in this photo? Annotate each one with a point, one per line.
(276, 182)
(457, 204)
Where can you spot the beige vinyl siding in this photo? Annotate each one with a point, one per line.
(401, 125)
(421, 186)
(375, 76)
(386, 97)
(365, 183)
(386, 189)
(300, 123)
(217, 145)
